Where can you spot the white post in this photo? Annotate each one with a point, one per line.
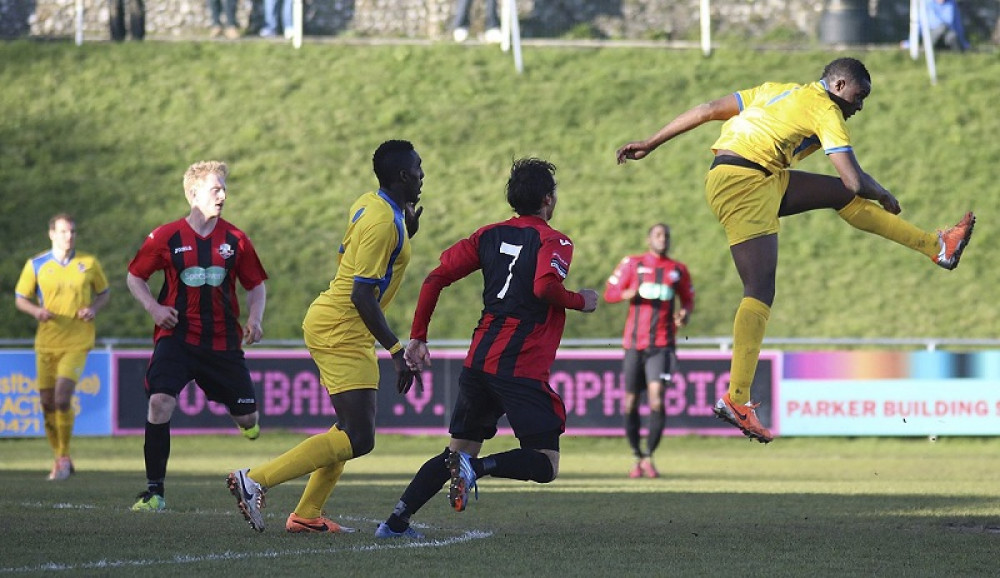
(297, 18)
(79, 22)
(925, 33)
(706, 28)
(515, 36)
(505, 25)
(914, 37)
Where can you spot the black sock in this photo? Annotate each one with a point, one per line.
(156, 451)
(425, 484)
(632, 432)
(520, 464)
(656, 421)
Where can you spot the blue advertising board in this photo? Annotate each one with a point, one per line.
(20, 406)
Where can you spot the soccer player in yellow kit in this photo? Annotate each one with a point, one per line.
(340, 331)
(64, 290)
(768, 129)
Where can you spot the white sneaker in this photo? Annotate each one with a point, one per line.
(493, 36)
(289, 33)
(460, 34)
(62, 469)
(249, 497)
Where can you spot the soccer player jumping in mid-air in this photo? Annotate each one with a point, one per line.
(767, 129)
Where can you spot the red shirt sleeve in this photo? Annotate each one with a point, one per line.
(623, 277)
(685, 289)
(149, 259)
(457, 261)
(248, 267)
(551, 269)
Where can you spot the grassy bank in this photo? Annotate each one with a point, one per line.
(106, 131)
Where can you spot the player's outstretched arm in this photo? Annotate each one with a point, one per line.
(861, 183)
(719, 109)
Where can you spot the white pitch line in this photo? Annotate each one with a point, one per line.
(394, 544)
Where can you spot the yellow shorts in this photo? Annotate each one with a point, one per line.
(745, 200)
(51, 365)
(343, 352)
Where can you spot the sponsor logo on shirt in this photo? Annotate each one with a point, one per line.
(183, 249)
(656, 291)
(559, 264)
(198, 276)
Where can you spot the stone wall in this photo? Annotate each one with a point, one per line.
(781, 20)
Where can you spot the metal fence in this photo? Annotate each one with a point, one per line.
(724, 343)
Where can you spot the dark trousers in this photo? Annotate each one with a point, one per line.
(462, 14)
(215, 7)
(132, 12)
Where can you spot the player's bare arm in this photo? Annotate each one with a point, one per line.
(89, 312)
(39, 313)
(861, 183)
(364, 300)
(719, 109)
(163, 316)
(256, 300)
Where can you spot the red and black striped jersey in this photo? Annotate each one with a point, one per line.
(199, 280)
(658, 281)
(524, 262)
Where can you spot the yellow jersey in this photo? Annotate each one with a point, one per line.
(63, 289)
(780, 124)
(375, 250)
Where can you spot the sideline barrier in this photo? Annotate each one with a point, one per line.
(830, 393)
(589, 381)
(21, 411)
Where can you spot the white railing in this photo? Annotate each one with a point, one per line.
(721, 343)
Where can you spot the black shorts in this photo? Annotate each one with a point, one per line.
(641, 367)
(222, 375)
(535, 411)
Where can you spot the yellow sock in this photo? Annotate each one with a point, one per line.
(748, 334)
(319, 451)
(64, 431)
(50, 431)
(318, 490)
(871, 217)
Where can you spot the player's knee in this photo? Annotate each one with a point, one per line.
(361, 444)
(161, 408)
(544, 467)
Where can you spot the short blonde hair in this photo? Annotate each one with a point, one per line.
(197, 172)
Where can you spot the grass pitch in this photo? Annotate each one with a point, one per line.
(796, 507)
